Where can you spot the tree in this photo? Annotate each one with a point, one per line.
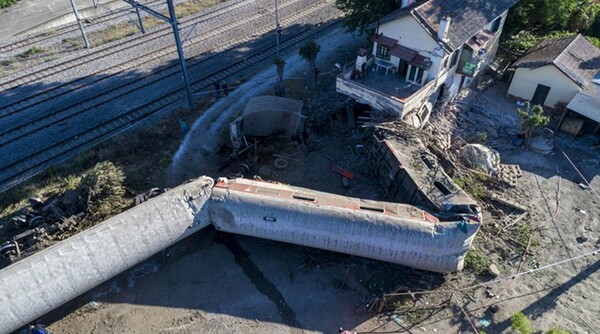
(360, 13)
(309, 53)
(280, 88)
(578, 21)
(531, 119)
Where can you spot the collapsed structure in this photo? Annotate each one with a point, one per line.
(397, 233)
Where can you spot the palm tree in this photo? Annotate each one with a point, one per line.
(309, 53)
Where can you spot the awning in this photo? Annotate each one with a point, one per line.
(421, 61)
(385, 41)
(587, 102)
(403, 52)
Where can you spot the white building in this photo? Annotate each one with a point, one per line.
(422, 46)
(561, 71)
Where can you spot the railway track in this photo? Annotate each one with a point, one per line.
(121, 45)
(31, 100)
(16, 130)
(69, 28)
(18, 170)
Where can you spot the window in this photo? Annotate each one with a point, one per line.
(454, 58)
(383, 52)
(496, 24)
(445, 64)
(415, 74)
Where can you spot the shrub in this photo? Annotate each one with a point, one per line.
(520, 323)
(102, 189)
(476, 261)
(7, 3)
(555, 330)
(532, 117)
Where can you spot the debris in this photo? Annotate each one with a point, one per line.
(35, 201)
(343, 172)
(497, 198)
(395, 318)
(485, 323)
(481, 157)
(345, 182)
(280, 163)
(286, 158)
(494, 308)
(583, 186)
(493, 270)
(581, 240)
(265, 171)
(542, 145)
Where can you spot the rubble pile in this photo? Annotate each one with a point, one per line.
(43, 221)
(480, 157)
(48, 220)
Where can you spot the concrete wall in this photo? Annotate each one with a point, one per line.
(44, 281)
(525, 81)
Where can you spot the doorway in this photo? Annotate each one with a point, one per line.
(540, 95)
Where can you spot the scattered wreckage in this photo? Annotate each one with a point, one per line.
(432, 231)
(46, 221)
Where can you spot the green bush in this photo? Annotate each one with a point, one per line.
(102, 189)
(521, 324)
(476, 261)
(555, 330)
(7, 3)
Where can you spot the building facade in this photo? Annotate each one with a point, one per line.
(422, 47)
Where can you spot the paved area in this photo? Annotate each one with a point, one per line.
(28, 14)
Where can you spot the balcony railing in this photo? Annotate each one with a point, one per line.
(382, 100)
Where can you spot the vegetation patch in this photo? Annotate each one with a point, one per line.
(7, 3)
(521, 324)
(523, 234)
(193, 6)
(102, 190)
(473, 184)
(476, 262)
(34, 50)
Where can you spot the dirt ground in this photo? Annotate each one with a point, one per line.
(215, 283)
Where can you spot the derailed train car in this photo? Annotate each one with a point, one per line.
(391, 232)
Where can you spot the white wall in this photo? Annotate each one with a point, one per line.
(525, 82)
(409, 33)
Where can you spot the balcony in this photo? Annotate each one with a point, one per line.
(384, 91)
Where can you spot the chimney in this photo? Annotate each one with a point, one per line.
(444, 27)
(406, 3)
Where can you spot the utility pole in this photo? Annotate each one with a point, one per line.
(85, 39)
(137, 12)
(186, 80)
(172, 20)
(277, 28)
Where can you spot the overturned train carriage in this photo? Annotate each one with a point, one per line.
(390, 232)
(44, 281)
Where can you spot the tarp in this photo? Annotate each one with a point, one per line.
(271, 115)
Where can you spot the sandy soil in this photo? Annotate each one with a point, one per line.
(213, 283)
